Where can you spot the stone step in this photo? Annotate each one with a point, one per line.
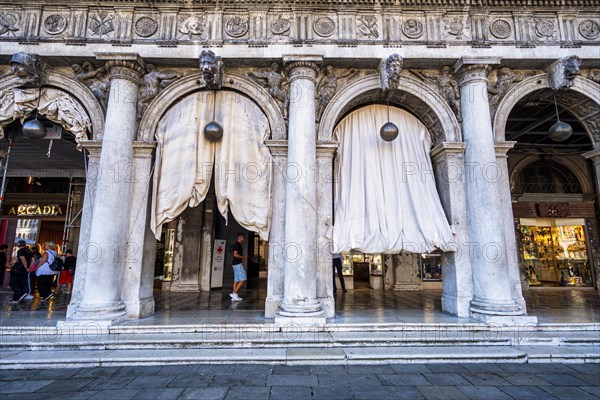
(297, 356)
(256, 339)
(129, 327)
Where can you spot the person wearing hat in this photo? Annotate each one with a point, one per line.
(19, 272)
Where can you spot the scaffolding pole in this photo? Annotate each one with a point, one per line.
(4, 166)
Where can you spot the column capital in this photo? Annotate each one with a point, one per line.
(503, 147)
(277, 147)
(593, 155)
(448, 150)
(143, 149)
(302, 65)
(326, 148)
(92, 146)
(470, 69)
(128, 66)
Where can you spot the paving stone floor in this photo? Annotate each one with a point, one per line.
(247, 382)
(563, 305)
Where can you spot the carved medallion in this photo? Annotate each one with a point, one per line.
(193, 25)
(589, 29)
(368, 26)
(281, 26)
(455, 27)
(55, 24)
(145, 26)
(500, 28)
(8, 22)
(413, 28)
(544, 28)
(101, 23)
(324, 27)
(236, 26)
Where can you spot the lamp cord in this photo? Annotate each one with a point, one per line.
(556, 107)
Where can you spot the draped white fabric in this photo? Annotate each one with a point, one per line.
(54, 104)
(185, 160)
(385, 195)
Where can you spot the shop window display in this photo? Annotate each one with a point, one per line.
(430, 267)
(555, 252)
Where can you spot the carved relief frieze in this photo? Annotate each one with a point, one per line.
(101, 24)
(589, 29)
(446, 85)
(457, 27)
(193, 27)
(545, 28)
(236, 26)
(96, 78)
(501, 28)
(328, 86)
(505, 79)
(413, 28)
(145, 26)
(275, 83)
(9, 23)
(324, 27)
(368, 26)
(55, 24)
(153, 83)
(280, 26)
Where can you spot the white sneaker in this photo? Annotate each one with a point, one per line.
(232, 295)
(29, 297)
(237, 298)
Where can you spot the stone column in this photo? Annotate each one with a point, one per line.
(594, 156)
(187, 250)
(300, 253)
(406, 266)
(517, 278)
(325, 181)
(207, 237)
(492, 293)
(105, 251)
(593, 226)
(140, 251)
(93, 148)
(457, 281)
(274, 298)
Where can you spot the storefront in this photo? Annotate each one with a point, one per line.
(555, 252)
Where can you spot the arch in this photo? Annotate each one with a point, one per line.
(74, 88)
(193, 83)
(580, 100)
(421, 100)
(576, 168)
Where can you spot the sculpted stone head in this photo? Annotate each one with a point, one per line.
(211, 67)
(29, 68)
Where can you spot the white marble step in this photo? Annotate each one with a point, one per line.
(299, 356)
(93, 340)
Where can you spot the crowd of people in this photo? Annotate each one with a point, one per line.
(32, 271)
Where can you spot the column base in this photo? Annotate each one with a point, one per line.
(488, 311)
(140, 308)
(506, 320)
(272, 306)
(456, 305)
(106, 313)
(328, 306)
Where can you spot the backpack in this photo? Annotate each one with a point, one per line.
(57, 264)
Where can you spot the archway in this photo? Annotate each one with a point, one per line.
(551, 183)
(243, 104)
(446, 153)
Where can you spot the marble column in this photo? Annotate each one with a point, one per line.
(516, 276)
(105, 252)
(186, 259)
(274, 298)
(325, 152)
(207, 237)
(140, 251)
(457, 282)
(492, 293)
(93, 148)
(300, 249)
(593, 226)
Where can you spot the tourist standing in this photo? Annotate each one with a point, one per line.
(337, 266)
(19, 272)
(66, 276)
(44, 274)
(239, 272)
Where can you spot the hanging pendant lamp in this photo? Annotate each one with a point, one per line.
(389, 130)
(213, 131)
(560, 131)
(34, 129)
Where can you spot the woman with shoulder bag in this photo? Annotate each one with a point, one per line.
(44, 274)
